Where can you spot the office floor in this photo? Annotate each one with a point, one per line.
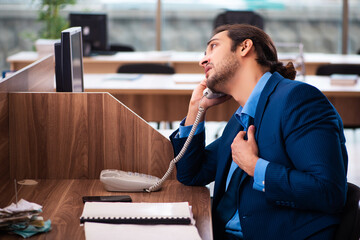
(214, 129)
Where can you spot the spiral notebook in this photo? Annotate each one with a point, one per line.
(104, 231)
(136, 213)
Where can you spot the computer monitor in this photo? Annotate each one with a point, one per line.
(94, 27)
(69, 61)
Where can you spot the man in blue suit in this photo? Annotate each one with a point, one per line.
(280, 165)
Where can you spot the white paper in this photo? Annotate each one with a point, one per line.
(136, 210)
(22, 206)
(103, 231)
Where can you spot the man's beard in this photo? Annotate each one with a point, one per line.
(224, 71)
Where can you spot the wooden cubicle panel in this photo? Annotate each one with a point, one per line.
(348, 108)
(171, 107)
(36, 77)
(76, 135)
(4, 137)
(39, 77)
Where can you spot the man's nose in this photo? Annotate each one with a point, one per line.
(204, 61)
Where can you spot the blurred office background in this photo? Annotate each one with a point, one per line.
(322, 26)
(186, 25)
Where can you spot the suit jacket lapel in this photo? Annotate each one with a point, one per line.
(224, 165)
(265, 94)
(226, 158)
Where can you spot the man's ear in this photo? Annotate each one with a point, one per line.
(245, 47)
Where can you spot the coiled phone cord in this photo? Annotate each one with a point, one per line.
(157, 185)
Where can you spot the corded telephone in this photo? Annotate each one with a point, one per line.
(120, 181)
(208, 93)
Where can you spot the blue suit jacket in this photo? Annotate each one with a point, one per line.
(300, 133)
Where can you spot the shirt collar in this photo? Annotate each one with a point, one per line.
(242, 113)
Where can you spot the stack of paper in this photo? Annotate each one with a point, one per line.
(103, 231)
(106, 220)
(343, 79)
(23, 219)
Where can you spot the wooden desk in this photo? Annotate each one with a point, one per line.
(314, 60)
(66, 138)
(164, 98)
(155, 97)
(62, 203)
(330, 90)
(183, 62)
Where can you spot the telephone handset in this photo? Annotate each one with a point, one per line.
(208, 93)
(119, 181)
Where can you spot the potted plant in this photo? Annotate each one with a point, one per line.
(49, 14)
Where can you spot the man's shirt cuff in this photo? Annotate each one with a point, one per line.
(259, 175)
(184, 131)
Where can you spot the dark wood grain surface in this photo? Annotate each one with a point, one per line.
(37, 77)
(62, 203)
(76, 135)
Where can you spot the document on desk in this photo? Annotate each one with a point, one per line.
(343, 79)
(136, 213)
(103, 231)
(103, 220)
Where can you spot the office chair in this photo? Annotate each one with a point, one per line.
(349, 228)
(111, 50)
(149, 68)
(232, 17)
(328, 69)
(121, 48)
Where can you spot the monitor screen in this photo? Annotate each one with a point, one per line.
(68, 61)
(94, 29)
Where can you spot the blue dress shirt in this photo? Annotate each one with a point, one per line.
(242, 114)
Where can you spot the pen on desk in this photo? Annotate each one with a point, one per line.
(16, 196)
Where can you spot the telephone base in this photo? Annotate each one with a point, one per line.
(121, 181)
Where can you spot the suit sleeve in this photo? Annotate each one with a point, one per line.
(198, 165)
(314, 142)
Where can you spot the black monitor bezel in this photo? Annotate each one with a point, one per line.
(68, 81)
